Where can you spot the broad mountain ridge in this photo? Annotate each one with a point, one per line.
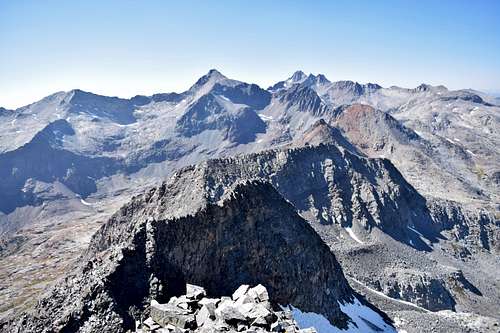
(401, 185)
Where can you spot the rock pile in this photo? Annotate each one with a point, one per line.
(248, 310)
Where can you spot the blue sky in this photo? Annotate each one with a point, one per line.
(125, 48)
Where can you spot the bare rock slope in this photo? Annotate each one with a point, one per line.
(154, 244)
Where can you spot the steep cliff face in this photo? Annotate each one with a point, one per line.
(330, 187)
(149, 249)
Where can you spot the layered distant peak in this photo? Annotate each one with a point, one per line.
(373, 86)
(423, 87)
(316, 80)
(429, 88)
(303, 99)
(320, 78)
(233, 91)
(5, 112)
(297, 77)
(467, 96)
(116, 109)
(373, 130)
(322, 133)
(212, 74)
(207, 81)
(354, 88)
(238, 124)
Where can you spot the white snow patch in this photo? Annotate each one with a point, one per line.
(456, 139)
(353, 235)
(85, 202)
(13, 122)
(126, 125)
(449, 140)
(415, 231)
(265, 118)
(381, 294)
(224, 98)
(311, 319)
(359, 314)
(471, 152)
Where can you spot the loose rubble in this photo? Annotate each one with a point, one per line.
(248, 310)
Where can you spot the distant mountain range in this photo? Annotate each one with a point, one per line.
(401, 184)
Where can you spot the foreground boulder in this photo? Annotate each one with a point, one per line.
(176, 233)
(222, 314)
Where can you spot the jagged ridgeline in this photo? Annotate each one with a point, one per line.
(181, 232)
(400, 184)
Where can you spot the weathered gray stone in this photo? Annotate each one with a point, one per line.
(260, 311)
(244, 299)
(259, 293)
(206, 313)
(232, 315)
(242, 290)
(206, 300)
(260, 322)
(195, 292)
(165, 314)
(151, 324)
(241, 327)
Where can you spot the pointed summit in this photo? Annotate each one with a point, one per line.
(321, 79)
(212, 75)
(215, 74)
(298, 76)
(207, 81)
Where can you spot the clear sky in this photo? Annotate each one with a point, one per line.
(125, 48)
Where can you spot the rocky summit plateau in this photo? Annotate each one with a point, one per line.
(309, 206)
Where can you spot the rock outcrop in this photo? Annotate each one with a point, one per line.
(248, 310)
(178, 232)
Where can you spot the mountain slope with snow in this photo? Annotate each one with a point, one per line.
(71, 159)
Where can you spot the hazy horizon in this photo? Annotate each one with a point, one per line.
(125, 48)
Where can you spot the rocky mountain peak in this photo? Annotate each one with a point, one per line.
(321, 79)
(297, 76)
(135, 257)
(115, 109)
(351, 87)
(5, 112)
(322, 133)
(213, 76)
(302, 98)
(375, 126)
(424, 87)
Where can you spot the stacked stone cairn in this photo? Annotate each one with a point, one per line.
(248, 310)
